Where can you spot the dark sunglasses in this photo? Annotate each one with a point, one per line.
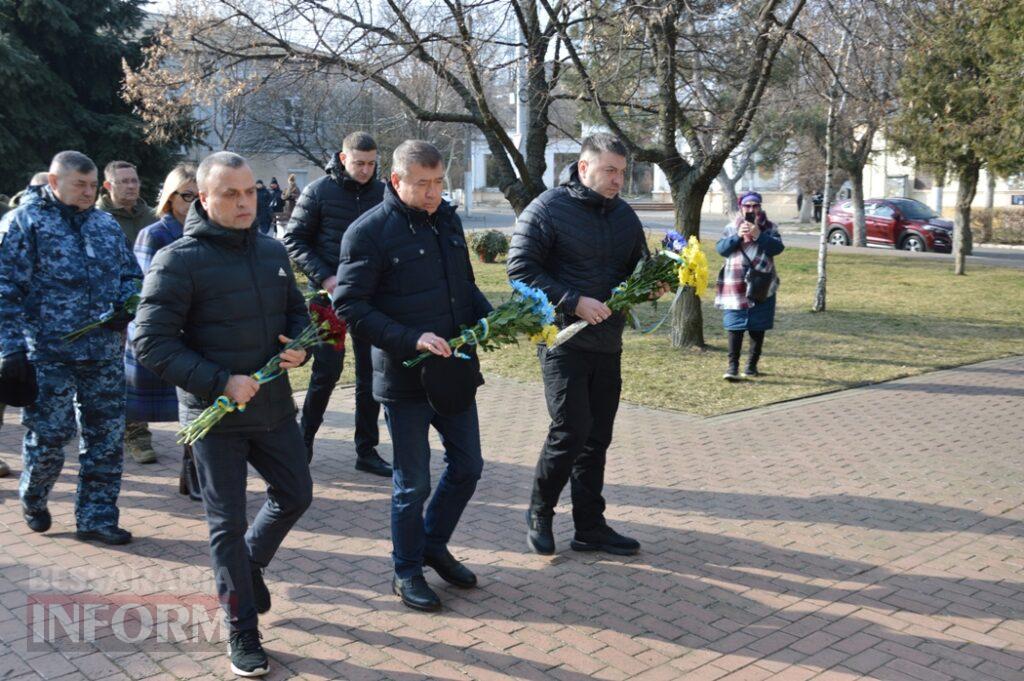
(187, 196)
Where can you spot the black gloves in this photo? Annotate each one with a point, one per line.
(17, 380)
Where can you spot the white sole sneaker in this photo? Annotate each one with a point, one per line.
(259, 671)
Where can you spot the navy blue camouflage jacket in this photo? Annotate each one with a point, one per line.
(60, 270)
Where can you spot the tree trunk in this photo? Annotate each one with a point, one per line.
(990, 206)
(967, 180)
(687, 316)
(821, 287)
(807, 208)
(729, 197)
(860, 233)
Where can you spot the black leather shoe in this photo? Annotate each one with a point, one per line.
(38, 521)
(416, 593)
(451, 570)
(539, 536)
(372, 463)
(260, 592)
(112, 535)
(604, 538)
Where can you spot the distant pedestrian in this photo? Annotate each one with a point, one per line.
(817, 199)
(263, 214)
(747, 282)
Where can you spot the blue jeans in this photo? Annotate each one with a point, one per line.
(414, 534)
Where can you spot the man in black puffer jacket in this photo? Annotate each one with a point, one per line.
(216, 305)
(324, 211)
(576, 243)
(405, 283)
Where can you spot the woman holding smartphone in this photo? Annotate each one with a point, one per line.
(747, 282)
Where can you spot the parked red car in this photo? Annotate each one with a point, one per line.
(893, 223)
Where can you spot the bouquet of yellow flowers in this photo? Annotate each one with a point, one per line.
(679, 263)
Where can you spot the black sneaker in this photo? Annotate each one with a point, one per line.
(112, 535)
(247, 655)
(372, 463)
(260, 592)
(731, 374)
(539, 536)
(37, 521)
(604, 538)
(751, 372)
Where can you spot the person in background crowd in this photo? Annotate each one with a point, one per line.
(276, 205)
(38, 180)
(121, 197)
(149, 399)
(61, 262)
(325, 210)
(751, 241)
(263, 214)
(216, 305)
(290, 196)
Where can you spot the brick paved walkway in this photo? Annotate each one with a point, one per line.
(875, 534)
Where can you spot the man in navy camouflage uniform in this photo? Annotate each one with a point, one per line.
(64, 264)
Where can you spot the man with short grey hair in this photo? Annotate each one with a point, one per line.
(121, 197)
(325, 210)
(216, 305)
(576, 243)
(62, 264)
(405, 284)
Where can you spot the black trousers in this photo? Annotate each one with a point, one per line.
(326, 370)
(736, 347)
(222, 463)
(582, 392)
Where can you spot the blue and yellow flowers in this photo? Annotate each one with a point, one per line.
(528, 312)
(680, 263)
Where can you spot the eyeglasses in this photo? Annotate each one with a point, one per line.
(187, 196)
(751, 205)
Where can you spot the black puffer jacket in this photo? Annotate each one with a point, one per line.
(213, 304)
(403, 273)
(324, 211)
(571, 242)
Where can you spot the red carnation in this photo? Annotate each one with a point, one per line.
(334, 332)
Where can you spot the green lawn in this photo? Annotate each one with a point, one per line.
(887, 317)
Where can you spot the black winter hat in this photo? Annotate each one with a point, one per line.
(451, 382)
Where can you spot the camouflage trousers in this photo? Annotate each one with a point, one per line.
(95, 393)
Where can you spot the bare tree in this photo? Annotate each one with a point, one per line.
(680, 83)
(468, 48)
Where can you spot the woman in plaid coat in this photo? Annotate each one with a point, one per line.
(149, 398)
(747, 244)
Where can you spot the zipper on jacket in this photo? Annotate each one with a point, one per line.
(250, 244)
